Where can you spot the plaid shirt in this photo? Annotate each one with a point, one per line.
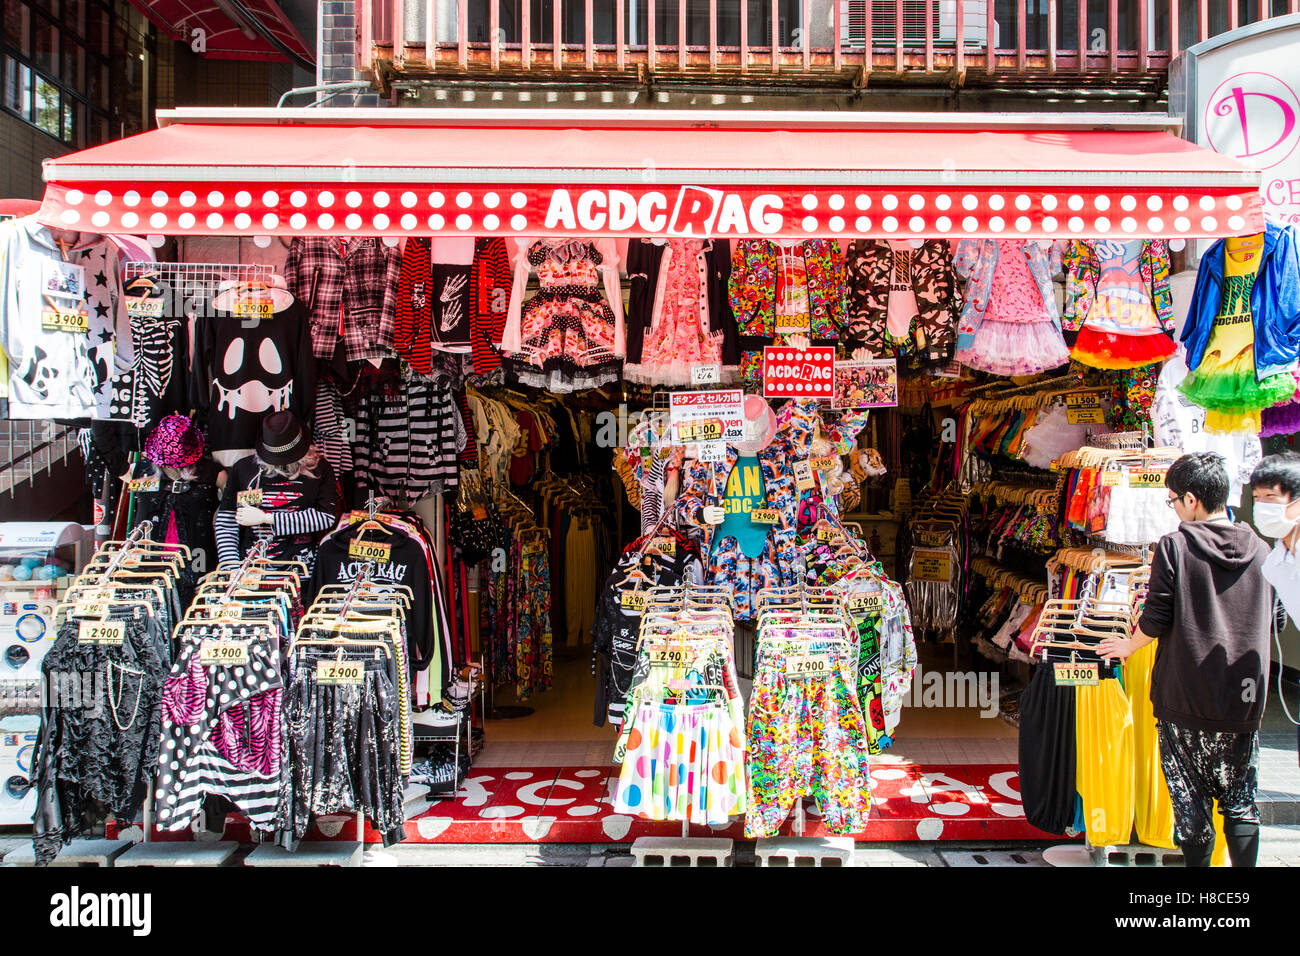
(354, 294)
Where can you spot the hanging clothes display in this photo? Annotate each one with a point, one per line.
(158, 382)
(1117, 298)
(1010, 325)
(517, 604)
(1241, 363)
(678, 312)
(409, 435)
(251, 357)
(348, 288)
(63, 322)
(569, 336)
(904, 299)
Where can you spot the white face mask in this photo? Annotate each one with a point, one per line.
(1271, 520)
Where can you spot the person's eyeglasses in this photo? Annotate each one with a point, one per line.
(1170, 501)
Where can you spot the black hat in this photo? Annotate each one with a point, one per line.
(284, 439)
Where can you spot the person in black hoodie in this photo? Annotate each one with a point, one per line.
(1211, 609)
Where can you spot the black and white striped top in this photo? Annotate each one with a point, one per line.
(408, 437)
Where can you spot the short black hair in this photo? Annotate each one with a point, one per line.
(1202, 473)
(1278, 471)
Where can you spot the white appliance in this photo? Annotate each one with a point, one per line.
(17, 747)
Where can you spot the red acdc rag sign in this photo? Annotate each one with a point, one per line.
(795, 373)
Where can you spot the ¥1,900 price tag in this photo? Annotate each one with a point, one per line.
(378, 551)
(212, 652)
(807, 665)
(669, 657)
(101, 632)
(666, 546)
(632, 601)
(251, 497)
(339, 672)
(1076, 675)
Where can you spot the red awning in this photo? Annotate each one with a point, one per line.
(249, 30)
(480, 172)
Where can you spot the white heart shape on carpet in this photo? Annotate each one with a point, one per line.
(432, 827)
(330, 828)
(538, 827)
(616, 827)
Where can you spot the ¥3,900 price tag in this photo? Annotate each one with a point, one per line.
(339, 672)
(101, 632)
(213, 652)
(378, 551)
(807, 665)
(1076, 675)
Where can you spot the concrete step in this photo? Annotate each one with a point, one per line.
(683, 851)
(805, 851)
(340, 853)
(179, 854)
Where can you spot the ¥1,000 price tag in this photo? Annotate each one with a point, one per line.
(765, 516)
(378, 551)
(212, 652)
(632, 601)
(808, 665)
(251, 497)
(339, 672)
(101, 632)
(1076, 675)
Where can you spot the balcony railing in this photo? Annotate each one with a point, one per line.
(752, 40)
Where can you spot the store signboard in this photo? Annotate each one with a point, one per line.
(1239, 95)
(716, 416)
(798, 373)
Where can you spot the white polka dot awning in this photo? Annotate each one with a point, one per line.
(257, 173)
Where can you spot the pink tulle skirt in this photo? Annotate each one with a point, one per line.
(1016, 348)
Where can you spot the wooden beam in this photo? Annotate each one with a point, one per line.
(588, 38)
(620, 26)
(557, 44)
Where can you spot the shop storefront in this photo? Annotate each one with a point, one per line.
(666, 445)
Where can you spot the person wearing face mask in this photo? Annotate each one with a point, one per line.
(1211, 610)
(1275, 483)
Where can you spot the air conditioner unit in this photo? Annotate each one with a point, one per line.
(943, 16)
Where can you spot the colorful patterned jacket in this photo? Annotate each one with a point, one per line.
(938, 300)
(753, 286)
(1083, 270)
(977, 260)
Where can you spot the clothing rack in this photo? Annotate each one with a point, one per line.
(256, 553)
(1121, 440)
(197, 278)
(139, 533)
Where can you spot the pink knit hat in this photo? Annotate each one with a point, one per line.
(175, 442)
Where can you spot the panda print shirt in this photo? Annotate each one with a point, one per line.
(245, 368)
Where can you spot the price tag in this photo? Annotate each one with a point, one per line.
(378, 551)
(101, 632)
(89, 610)
(137, 485)
(829, 535)
(1110, 479)
(929, 539)
(866, 604)
(824, 463)
(807, 665)
(230, 653)
(632, 601)
(666, 546)
(1084, 408)
(252, 497)
(1055, 465)
(705, 430)
(803, 475)
(1076, 675)
(669, 657)
(932, 566)
(479, 513)
(535, 548)
(144, 307)
(59, 319)
(339, 672)
(254, 308)
(1147, 478)
(97, 595)
(706, 374)
(765, 516)
(711, 451)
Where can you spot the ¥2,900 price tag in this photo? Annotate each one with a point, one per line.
(669, 657)
(214, 652)
(378, 551)
(765, 516)
(1076, 675)
(807, 665)
(339, 672)
(867, 604)
(101, 632)
(632, 601)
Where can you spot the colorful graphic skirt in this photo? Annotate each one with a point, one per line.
(683, 762)
(1231, 396)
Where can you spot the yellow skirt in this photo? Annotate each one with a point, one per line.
(1104, 762)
